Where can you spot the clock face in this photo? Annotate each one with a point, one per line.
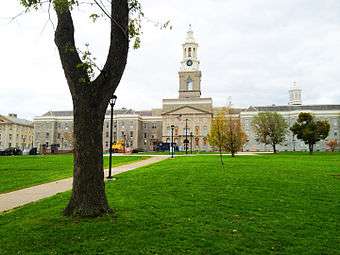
(189, 62)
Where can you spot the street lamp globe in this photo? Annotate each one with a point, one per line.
(113, 100)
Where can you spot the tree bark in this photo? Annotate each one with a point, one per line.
(221, 157)
(90, 100)
(88, 194)
(274, 147)
(311, 148)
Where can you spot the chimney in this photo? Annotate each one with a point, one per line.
(13, 115)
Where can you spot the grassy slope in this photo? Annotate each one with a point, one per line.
(269, 204)
(25, 171)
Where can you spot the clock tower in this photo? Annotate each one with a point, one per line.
(190, 74)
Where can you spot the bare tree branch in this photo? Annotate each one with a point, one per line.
(110, 17)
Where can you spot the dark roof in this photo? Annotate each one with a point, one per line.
(18, 121)
(58, 113)
(118, 112)
(144, 113)
(283, 108)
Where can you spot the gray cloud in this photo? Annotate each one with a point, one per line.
(249, 50)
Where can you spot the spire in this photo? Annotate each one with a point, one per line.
(294, 85)
(190, 35)
(295, 95)
(190, 60)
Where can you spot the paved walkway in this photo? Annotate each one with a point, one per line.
(21, 197)
(187, 155)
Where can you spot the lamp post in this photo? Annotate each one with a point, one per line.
(186, 141)
(172, 141)
(191, 142)
(124, 143)
(112, 104)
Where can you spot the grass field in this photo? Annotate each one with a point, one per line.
(268, 204)
(17, 172)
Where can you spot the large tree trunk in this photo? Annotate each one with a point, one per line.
(90, 100)
(88, 194)
(311, 148)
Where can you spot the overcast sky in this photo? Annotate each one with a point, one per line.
(250, 50)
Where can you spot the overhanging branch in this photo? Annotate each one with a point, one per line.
(111, 18)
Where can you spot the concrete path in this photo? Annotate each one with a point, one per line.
(184, 155)
(21, 197)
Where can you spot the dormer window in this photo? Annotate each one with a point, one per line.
(189, 84)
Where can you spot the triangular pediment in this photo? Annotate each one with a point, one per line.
(183, 110)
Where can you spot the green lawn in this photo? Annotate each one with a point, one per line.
(268, 204)
(17, 172)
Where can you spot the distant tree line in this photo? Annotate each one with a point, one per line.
(271, 128)
(227, 135)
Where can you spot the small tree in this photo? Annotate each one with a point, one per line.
(235, 136)
(270, 128)
(217, 136)
(226, 133)
(68, 137)
(332, 144)
(309, 130)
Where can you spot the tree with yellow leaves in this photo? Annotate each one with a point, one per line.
(226, 132)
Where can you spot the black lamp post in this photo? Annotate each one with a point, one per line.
(125, 143)
(191, 142)
(172, 141)
(186, 141)
(112, 104)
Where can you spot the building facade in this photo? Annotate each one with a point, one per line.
(139, 130)
(15, 132)
(331, 113)
(188, 116)
(185, 119)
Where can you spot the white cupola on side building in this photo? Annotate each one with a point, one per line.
(295, 95)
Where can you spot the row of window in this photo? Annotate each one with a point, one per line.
(146, 136)
(107, 134)
(196, 141)
(145, 125)
(153, 125)
(23, 137)
(23, 145)
(188, 131)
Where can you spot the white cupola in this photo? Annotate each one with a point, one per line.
(295, 95)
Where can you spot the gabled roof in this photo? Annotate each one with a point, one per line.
(187, 106)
